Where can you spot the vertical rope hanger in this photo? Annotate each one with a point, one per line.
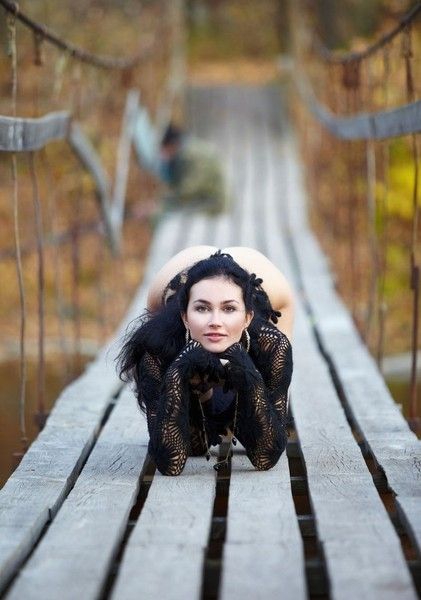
(372, 291)
(51, 196)
(414, 266)
(76, 104)
(336, 88)
(351, 83)
(75, 261)
(372, 237)
(38, 61)
(12, 52)
(384, 219)
(41, 415)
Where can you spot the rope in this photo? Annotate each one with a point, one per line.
(12, 52)
(58, 295)
(41, 416)
(355, 57)
(384, 217)
(372, 235)
(100, 61)
(22, 306)
(75, 265)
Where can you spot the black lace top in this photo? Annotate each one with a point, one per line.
(249, 396)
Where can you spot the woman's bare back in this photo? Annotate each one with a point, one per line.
(274, 282)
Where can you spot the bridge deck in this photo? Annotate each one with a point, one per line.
(85, 515)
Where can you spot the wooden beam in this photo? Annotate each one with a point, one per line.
(90, 160)
(396, 122)
(23, 135)
(123, 162)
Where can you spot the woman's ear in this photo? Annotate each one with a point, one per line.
(184, 319)
(249, 318)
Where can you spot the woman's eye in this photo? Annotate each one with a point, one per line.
(201, 308)
(230, 309)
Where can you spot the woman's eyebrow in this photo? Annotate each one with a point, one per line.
(209, 303)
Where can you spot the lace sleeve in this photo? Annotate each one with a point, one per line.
(148, 392)
(262, 393)
(274, 360)
(169, 438)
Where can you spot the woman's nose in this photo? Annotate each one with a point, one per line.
(215, 319)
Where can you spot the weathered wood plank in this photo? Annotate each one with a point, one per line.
(393, 445)
(345, 502)
(165, 552)
(75, 554)
(263, 547)
(22, 135)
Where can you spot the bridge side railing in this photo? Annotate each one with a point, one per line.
(359, 121)
(66, 137)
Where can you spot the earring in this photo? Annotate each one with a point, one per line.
(247, 335)
(187, 335)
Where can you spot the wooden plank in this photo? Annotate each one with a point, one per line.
(165, 553)
(76, 552)
(171, 534)
(22, 135)
(394, 446)
(219, 229)
(50, 467)
(198, 229)
(352, 523)
(263, 547)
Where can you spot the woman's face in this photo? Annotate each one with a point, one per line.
(216, 314)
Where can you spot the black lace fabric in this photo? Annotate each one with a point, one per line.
(259, 381)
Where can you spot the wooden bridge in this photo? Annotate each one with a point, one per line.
(86, 515)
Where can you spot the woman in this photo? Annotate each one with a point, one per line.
(209, 361)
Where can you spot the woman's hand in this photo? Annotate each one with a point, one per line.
(194, 361)
(240, 369)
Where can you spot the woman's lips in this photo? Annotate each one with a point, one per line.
(214, 337)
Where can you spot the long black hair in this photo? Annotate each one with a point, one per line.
(162, 332)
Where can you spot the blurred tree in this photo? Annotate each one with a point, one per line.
(221, 29)
(338, 23)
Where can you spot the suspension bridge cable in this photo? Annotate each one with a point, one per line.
(100, 61)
